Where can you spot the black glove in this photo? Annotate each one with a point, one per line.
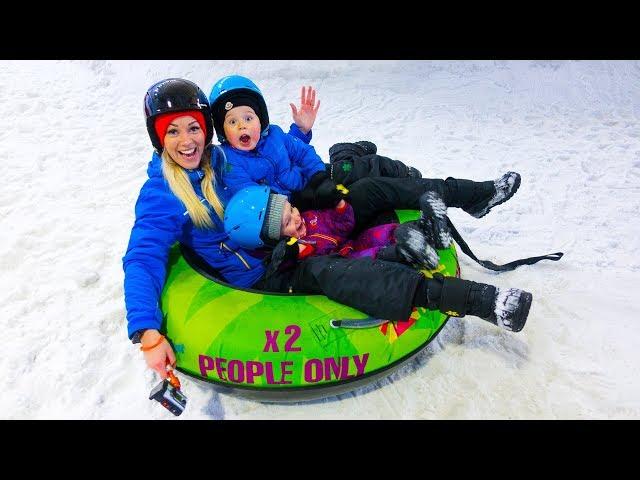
(284, 256)
(321, 192)
(303, 199)
(328, 194)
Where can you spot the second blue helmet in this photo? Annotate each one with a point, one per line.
(232, 91)
(253, 217)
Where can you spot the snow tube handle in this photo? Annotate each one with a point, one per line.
(356, 322)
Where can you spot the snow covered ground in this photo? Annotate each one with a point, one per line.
(74, 156)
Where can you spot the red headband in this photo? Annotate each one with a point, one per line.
(164, 119)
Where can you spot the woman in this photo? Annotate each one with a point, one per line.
(183, 201)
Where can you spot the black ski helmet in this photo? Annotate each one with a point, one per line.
(174, 95)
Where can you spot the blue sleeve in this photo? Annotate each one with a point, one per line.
(304, 159)
(155, 230)
(296, 132)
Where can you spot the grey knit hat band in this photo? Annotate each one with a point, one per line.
(273, 217)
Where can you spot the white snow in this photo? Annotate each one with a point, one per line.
(74, 156)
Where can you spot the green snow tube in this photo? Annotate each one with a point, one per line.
(285, 347)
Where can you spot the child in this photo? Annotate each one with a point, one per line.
(256, 151)
(322, 232)
(254, 218)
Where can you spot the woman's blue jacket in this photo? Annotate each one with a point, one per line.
(161, 220)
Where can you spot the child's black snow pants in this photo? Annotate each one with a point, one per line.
(373, 195)
(376, 287)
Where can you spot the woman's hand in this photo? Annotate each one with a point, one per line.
(305, 117)
(161, 355)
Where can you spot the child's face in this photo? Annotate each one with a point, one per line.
(184, 141)
(242, 128)
(292, 223)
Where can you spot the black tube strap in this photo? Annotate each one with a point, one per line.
(492, 266)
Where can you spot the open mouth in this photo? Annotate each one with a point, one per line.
(189, 154)
(245, 139)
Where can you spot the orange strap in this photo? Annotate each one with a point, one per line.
(173, 380)
(160, 339)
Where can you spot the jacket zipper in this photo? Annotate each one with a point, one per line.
(222, 244)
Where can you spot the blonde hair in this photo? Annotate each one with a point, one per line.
(181, 187)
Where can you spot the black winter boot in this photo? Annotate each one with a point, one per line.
(433, 220)
(507, 308)
(413, 172)
(349, 151)
(511, 308)
(369, 147)
(413, 247)
(503, 189)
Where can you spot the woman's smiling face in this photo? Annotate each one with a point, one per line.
(184, 141)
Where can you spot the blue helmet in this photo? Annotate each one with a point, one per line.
(253, 216)
(174, 95)
(236, 90)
